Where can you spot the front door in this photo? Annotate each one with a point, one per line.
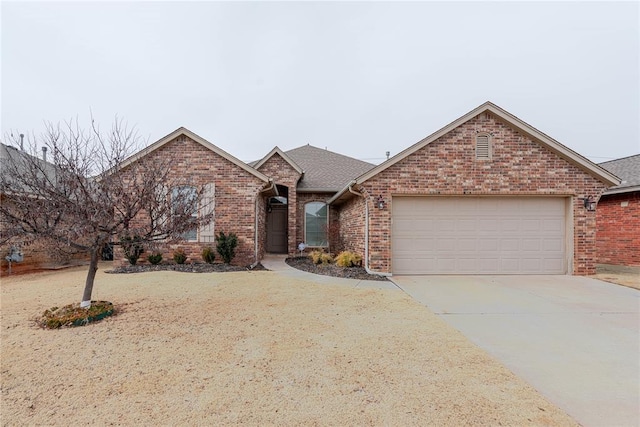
(277, 229)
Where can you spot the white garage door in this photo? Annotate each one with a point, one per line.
(478, 235)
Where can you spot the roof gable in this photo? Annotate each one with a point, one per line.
(511, 120)
(324, 170)
(282, 154)
(559, 149)
(183, 131)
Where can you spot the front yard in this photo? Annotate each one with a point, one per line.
(250, 348)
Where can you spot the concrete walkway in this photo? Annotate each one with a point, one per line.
(575, 339)
(277, 263)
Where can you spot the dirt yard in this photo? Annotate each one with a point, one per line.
(625, 276)
(247, 348)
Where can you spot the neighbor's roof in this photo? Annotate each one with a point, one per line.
(184, 131)
(16, 160)
(324, 170)
(628, 170)
(562, 151)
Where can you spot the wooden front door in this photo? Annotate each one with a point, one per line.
(277, 225)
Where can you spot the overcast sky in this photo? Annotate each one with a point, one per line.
(358, 78)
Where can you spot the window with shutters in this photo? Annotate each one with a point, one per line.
(184, 202)
(483, 147)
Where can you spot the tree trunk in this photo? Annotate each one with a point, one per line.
(91, 275)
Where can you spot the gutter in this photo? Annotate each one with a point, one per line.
(366, 233)
(621, 190)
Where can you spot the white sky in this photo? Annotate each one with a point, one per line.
(358, 78)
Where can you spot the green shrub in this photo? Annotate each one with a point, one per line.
(208, 255)
(226, 246)
(155, 258)
(132, 247)
(348, 259)
(320, 257)
(179, 256)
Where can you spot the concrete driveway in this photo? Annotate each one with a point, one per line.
(575, 339)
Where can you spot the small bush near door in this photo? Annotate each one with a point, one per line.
(320, 257)
(132, 247)
(226, 246)
(349, 259)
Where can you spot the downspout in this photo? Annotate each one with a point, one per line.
(256, 234)
(366, 233)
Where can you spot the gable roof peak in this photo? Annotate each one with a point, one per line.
(278, 151)
(503, 115)
(200, 140)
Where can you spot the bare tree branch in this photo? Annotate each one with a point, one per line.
(88, 193)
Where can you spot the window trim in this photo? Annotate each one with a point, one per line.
(305, 224)
(489, 147)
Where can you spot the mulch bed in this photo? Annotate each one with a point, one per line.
(185, 268)
(305, 264)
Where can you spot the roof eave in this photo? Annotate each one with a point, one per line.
(342, 195)
(316, 190)
(622, 190)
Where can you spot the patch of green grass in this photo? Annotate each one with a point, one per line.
(73, 315)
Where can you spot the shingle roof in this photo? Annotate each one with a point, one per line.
(325, 170)
(16, 161)
(627, 169)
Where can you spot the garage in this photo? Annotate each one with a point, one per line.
(479, 235)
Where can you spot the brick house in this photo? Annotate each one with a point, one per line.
(486, 194)
(36, 252)
(618, 215)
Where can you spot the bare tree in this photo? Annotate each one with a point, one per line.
(89, 191)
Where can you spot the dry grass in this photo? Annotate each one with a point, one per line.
(630, 280)
(249, 348)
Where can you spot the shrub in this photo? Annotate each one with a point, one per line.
(74, 315)
(208, 255)
(179, 256)
(226, 246)
(320, 257)
(155, 258)
(348, 259)
(132, 246)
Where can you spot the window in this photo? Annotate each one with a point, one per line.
(183, 201)
(315, 224)
(483, 147)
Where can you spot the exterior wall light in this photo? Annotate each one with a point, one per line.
(589, 203)
(380, 202)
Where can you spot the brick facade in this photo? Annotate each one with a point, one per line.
(351, 218)
(448, 166)
(284, 174)
(618, 229)
(237, 198)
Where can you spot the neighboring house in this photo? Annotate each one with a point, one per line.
(618, 215)
(35, 253)
(486, 194)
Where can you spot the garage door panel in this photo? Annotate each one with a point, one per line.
(508, 245)
(469, 235)
(530, 244)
